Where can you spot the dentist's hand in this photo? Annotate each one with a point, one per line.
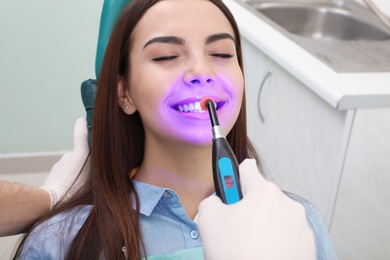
(265, 224)
(64, 173)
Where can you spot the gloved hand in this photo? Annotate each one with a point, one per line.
(265, 224)
(66, 170)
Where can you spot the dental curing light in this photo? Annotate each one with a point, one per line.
(225, 165)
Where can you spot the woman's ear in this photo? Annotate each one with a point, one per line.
(124, 99)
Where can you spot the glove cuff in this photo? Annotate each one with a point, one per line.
(53, 197)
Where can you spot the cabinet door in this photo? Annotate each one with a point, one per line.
(300, 135)
(361, 221)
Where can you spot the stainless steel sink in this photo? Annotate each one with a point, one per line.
(347, 37)
(321, 22)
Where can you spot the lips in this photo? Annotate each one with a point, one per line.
(193, 107)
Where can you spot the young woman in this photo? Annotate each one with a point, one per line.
(151, 152)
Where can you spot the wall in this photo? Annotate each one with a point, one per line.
(47, 49)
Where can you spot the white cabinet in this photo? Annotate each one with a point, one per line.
(300, 136)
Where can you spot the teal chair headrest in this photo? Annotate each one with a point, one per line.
(110, 13)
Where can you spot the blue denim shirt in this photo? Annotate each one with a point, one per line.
(168, 232)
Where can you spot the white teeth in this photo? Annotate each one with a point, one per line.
(190, 107)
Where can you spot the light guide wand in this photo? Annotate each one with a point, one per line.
(225, 165)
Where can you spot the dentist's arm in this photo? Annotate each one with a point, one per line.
(265, 224)
(22, 205)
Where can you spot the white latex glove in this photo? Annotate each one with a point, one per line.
(265, 224)
(66, 170)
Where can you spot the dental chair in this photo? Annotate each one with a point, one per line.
(110, 13)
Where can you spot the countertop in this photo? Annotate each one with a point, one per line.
(341, 90)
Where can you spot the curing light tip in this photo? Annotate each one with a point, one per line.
(204, 101)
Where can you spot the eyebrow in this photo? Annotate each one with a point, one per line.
(166, 39)
(218, 37)
(180, 41)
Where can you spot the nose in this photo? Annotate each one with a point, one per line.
(199, 73)
(200, 81)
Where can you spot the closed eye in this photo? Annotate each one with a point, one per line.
(164, 58)
(222, 55)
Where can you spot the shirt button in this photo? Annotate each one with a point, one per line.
(167, 194)
(194, 234)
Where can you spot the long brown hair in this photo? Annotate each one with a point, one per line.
(118, 147)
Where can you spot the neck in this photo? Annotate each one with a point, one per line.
(185, 169)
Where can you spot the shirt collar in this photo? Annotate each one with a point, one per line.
(148, 195)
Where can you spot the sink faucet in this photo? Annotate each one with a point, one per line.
(378, 12)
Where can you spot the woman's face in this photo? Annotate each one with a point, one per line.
(183, 51)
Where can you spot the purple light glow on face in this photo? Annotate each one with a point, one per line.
(169, 79)
(190, 119)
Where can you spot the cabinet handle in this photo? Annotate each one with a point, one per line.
(269, 73)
